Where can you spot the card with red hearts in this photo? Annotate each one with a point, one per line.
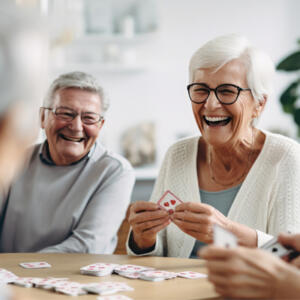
(169, 201)
(35, 265)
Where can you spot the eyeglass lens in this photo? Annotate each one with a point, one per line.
(225, 93)
(68, 115)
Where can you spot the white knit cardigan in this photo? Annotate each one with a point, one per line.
(268, 200)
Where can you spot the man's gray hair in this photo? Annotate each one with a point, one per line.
(221, 50)
(79, 80)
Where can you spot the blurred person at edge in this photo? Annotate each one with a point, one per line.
(247, 273)
(233, 174)
(74, 193)
(23, 69)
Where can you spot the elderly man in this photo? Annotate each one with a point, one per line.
(74, 193)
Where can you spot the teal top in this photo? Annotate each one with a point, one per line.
(222, 201)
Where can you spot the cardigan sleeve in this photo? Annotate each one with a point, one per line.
(284, 214)
(159, 188)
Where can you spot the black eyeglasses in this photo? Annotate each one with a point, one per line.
(226, 93)
(68, 114)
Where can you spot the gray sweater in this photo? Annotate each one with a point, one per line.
(75, 208)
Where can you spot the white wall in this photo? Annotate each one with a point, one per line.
(159, 92)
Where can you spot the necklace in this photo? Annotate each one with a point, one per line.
(210, 161)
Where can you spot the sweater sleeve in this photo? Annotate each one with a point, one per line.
(285, 209)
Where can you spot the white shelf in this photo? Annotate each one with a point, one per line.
(100, 67)
(113, 39)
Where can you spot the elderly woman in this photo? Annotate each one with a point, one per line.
(244, 273)
(234, 175)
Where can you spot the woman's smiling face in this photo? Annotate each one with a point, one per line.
(222, 124)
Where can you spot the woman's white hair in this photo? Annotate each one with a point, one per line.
(221, 50)
(79, 80)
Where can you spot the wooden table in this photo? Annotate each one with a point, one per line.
(68, 265)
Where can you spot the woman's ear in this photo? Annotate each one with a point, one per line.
(259, 107)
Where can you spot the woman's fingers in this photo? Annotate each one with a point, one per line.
(141, 212)
(197, 226)
(195, 207)
(141, 206)
(192, 217)
(149, 216)
(292, 240)
(148, 225)
(157, 228)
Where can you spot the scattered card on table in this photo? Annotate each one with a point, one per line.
(191, 275)
(224, 238)
(35, 265)
(7, 276)
(131, 269)
(98, 269)
(169, 201)
(157, 275)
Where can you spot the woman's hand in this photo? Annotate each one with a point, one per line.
(146, 220)
(291, 240)
(197, 220)
(250, 273)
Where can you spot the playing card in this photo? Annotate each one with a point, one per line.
(276, 248)
(35, 265)
(130, 275)
(224, 238)
(169, 201)
(71, 290)
(191, 275)
(7, 276)
(157, 275)
(131, 269)
(114, 297)
(23, 283)
(100, 290)
(51, 283)
(98, 269)
(27, 281)
(120, 286)
(149, 278)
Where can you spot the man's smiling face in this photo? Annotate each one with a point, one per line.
(70, 141)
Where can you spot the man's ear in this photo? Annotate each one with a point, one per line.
(101, 123)
(42, 118)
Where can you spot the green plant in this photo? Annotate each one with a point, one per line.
(290, 98)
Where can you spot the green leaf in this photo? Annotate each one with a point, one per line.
(290, 63)
(297, 116)
(289, 97)
(289, 109)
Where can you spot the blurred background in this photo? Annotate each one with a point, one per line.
(139, 50)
